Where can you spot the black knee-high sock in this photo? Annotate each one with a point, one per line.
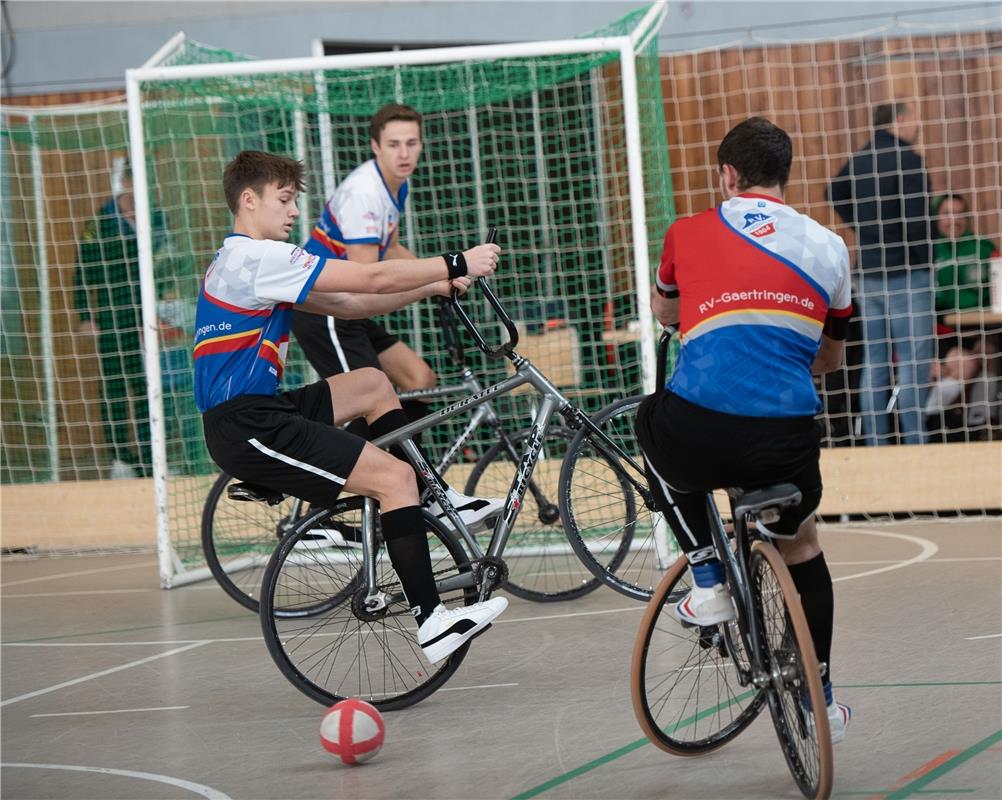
(415, 410)
(814, 583)
(389, 422)
(407, 546)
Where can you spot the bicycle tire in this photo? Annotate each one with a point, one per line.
(238, 538)
(685, 689)
(329, 651)
(608, 521)
(802, 727)
(542, 565)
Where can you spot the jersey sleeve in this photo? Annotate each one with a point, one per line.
(359, 216)
(286, 273)
(666, 270)
(840, 308)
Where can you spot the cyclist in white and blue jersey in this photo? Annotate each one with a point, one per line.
(361, 222)
(287, 441)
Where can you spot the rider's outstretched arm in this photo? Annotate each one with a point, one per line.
(401, 275)
(350, 305)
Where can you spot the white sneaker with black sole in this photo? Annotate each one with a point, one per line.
(478, 513)
(448, 628)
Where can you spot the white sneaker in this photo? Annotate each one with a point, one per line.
(447, 628)
(705, 606)
(122, 471)
(838, 720)
(478, 514)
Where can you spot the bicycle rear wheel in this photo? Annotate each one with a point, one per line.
(542, 565)
(239, 536)
(685, 686)
(329, 645)
(796, 697)
(607, 510)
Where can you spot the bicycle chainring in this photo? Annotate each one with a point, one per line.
(492, 573)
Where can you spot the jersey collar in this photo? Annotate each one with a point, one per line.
(402, 192)
(756, 196)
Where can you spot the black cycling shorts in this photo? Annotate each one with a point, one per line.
(336, 346)
(287, 443)
(697, 450)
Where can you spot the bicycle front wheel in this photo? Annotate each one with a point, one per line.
(542, 566)
(607, 509)
(239, 536)
(796, 697)
(329, 644)
(686, 685)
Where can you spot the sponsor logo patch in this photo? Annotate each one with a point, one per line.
(758, 224)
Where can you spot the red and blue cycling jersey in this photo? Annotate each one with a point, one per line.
(243, 317)
(756, 283)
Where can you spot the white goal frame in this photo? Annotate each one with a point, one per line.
(626, 46)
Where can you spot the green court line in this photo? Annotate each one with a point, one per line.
(873, 792)
(918, 784)
(917, 683)
(947, 766)
(625, 750)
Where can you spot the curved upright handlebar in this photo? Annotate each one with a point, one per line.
(505, 348)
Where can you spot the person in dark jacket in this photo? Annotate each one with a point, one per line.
(882, 192)
(107, 298)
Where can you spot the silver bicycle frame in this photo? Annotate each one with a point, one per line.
(552, 401)
(483, 413)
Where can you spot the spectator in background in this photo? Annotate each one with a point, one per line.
(961, 402)
(960, 258)
(107, 298)
(882, 191)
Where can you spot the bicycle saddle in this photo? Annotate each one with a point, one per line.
(766, 503)
(252, 493)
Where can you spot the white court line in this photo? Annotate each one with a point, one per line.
(85, 592)
(482, 686)
(986, 636)
(929, 549)
(100, 674)
(213, 587)
(77, 573)
(131, 644)
(197, 788)
(111, 711)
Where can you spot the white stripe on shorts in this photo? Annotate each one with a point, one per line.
(338, 350)
(668, 490)
(301, 464)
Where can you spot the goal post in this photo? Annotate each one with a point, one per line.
(561, 144)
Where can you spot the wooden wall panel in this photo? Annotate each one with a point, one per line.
(823, 93)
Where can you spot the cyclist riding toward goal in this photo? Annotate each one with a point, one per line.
(287, 441)
(761, 294)
(361, 222)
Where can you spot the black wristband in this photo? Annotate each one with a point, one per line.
(456, 262)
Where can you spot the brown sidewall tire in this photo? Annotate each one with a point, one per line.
(809, 659)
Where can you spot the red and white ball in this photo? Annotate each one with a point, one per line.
(352, 730)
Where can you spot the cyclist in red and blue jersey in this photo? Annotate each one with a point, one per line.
(286, 441)
(361, 222)
(761, 294)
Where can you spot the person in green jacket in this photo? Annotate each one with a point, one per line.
(107, 299)
(960, 258)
